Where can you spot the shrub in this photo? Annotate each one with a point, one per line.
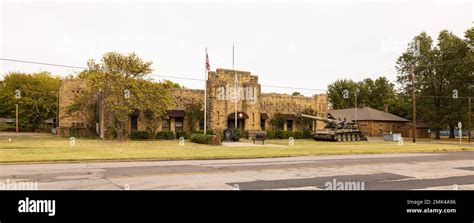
(206, 139)
(208, 132)
(164, 135)
(237, 134)
(290, 134)
(270, 134)
(299, 135)
(281, 134)
(306, 134)
(140, 135)
(182, 134)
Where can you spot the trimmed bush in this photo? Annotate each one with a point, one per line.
(237, 134)
(205, 139)
(291, 134)
(140, 135)
(299, 135)
(306, 134)
(281, 134)
(270, 134)
(164, 135)
(182, 134)
(208, 132)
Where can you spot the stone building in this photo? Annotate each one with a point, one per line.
(254, 109)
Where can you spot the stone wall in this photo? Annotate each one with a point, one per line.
(220, 103)
(69, 89)
(377, 128)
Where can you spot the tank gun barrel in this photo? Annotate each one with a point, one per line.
(324, 119)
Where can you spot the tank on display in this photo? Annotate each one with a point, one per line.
(335, 130)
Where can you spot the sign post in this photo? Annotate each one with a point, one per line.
(460, 131)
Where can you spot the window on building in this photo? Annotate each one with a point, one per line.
(134, 123)
(178, 124)
(166, 125)
(201, 125)
(289, 125)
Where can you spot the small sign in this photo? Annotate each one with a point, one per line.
(17, 94)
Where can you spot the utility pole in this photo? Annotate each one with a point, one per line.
(205, 94)
(355, 108)
(413, 98)
(16, 105)
(236, 86)
(469, 121)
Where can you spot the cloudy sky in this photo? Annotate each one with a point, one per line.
(301, 45)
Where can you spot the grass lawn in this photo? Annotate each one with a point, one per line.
(47, 149)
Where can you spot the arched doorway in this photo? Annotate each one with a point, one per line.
(241, 116)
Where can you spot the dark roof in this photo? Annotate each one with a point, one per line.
(176, 113)
(419, 124)
(240, 115)
(365, 114)
(286, 116)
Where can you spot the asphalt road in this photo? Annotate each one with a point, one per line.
(445, 171)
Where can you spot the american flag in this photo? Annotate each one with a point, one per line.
(208, 66)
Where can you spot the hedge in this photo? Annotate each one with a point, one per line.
(164, 135)
(208, 132)
(182, 134)
(236, 134)
(140, 135)
(205, 139)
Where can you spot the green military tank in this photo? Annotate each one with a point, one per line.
(335, 130)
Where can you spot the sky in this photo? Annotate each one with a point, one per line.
(304, 45)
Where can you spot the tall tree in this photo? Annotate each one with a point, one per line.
(122, 83)
(378, 94)
(440, 70)
(336, 91)
(38, 100)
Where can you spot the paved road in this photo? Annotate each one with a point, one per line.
(445, 171)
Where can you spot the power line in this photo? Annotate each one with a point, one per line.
(154, 75)
(41, 63)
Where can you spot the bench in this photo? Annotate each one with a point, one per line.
(259, 137)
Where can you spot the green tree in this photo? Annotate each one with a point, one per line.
(378, 94)
(335, 94)
(38, 100)
(194, 114)
(439, 69)
(171, 84)
(121, 81)
(296, 93)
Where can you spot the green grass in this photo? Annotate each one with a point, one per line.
(49, 149)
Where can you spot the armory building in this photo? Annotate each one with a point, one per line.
(254, 108)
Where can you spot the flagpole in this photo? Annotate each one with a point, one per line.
(205, 95)
(236, 85)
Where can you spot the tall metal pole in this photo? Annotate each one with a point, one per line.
(413, 103)
(236, 86)
(205, 95)
(16, 106)
(469, 121)
(355, 108)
